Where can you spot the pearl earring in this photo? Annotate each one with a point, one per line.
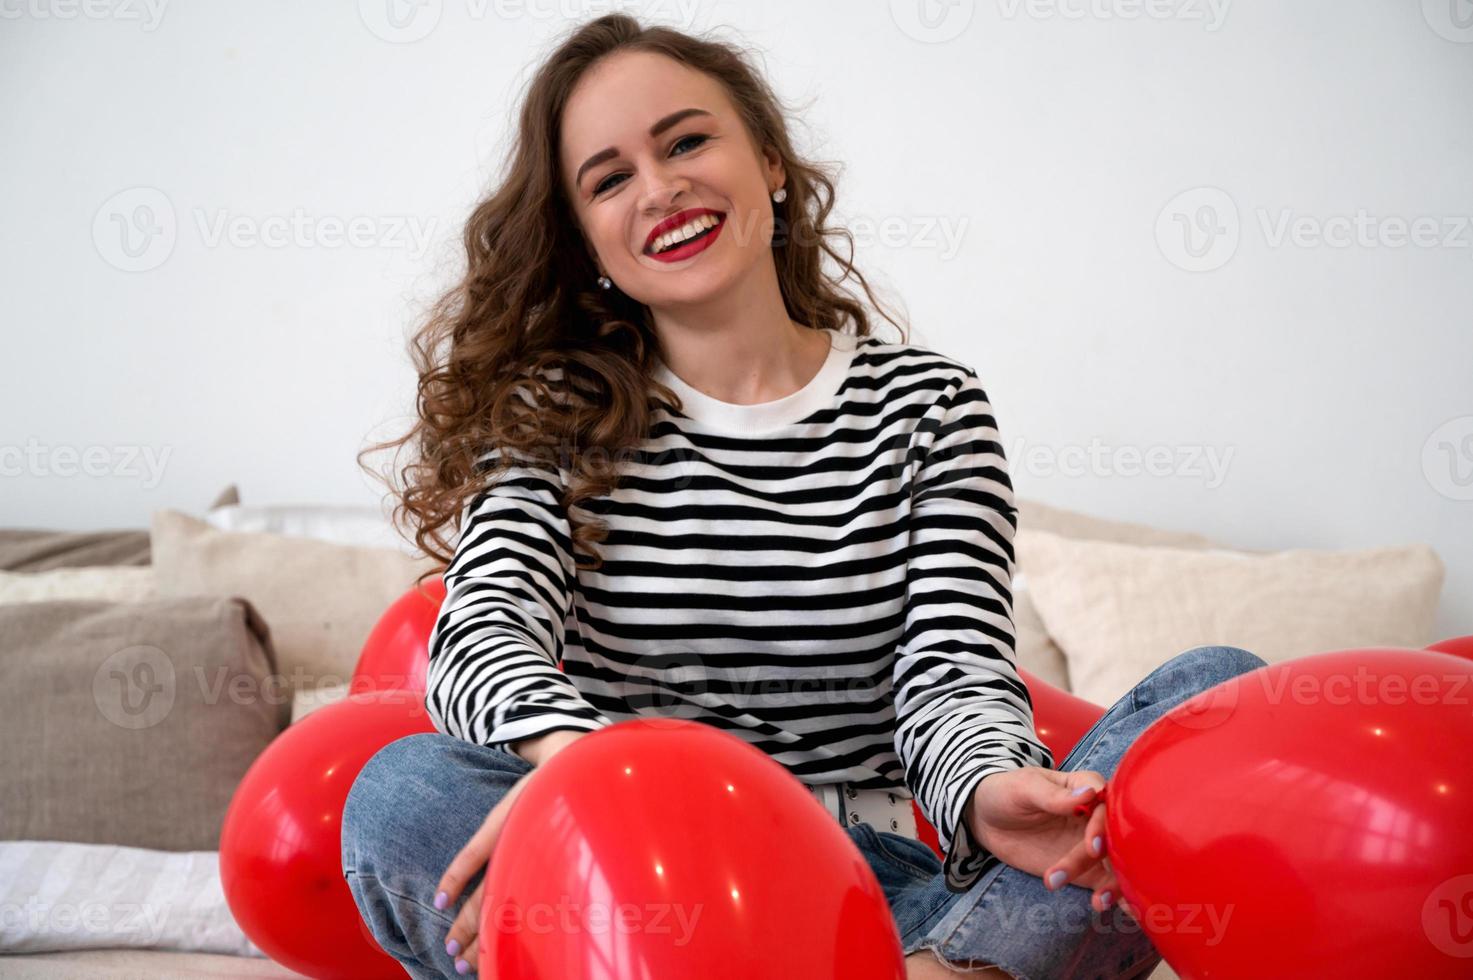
(605, 282)
(780, 195)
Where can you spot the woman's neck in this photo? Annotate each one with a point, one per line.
(740, 351)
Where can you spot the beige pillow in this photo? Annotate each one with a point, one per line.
(320, 599)
(1037, 652)
(131, 723)
(1036, 516)
(306, 700)
(1118, 611)
(111, 583)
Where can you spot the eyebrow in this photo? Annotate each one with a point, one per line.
(659, 127)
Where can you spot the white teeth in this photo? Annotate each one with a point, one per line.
(687, 230)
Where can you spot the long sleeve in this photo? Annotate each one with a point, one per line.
(494, 652)
(962, 711)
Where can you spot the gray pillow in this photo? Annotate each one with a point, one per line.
(41, 550)
(132, 723)
(34, 550)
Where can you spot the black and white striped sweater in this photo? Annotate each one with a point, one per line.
(826, 576)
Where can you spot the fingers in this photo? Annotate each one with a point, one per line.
(1069, 867)
(1107, 889)
(1077, 788)
(1086, 866)
(460, 942)
(476, 852)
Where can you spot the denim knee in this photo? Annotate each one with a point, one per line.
(415, 794)
(1192, 671)
(1220, 663)
(375, 814)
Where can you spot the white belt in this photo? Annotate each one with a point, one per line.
(889, 810)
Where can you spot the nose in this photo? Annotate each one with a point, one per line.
(661, 192)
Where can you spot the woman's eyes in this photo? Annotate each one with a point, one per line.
(604, 184)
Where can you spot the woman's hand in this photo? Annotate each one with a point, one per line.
(477, 852)
(1026, 817)
(463, 940)
(473, 857)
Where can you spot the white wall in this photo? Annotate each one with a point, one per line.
(1058, 144)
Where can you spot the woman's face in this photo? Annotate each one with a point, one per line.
(703, 162)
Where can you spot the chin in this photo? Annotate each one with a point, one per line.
(686, 287)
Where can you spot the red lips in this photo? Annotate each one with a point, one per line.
(675, 221)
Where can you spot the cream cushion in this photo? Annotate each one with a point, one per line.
(306, 700)
(110, 583)
(319, 598)
(70, 896)
(1036, 650)
(1118, 611)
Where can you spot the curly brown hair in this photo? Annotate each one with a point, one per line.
(527, 310)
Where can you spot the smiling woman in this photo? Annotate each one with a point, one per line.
(653, 212)
(805, 532)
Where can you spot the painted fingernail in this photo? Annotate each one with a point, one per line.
(452, 948)
(441, 900)
(1097, 844)
(462, 967)
(1056, 879)
(1079, 791)
(1104, 900)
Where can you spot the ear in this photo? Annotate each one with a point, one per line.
(777, 175)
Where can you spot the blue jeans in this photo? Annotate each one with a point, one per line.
(419, 798)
